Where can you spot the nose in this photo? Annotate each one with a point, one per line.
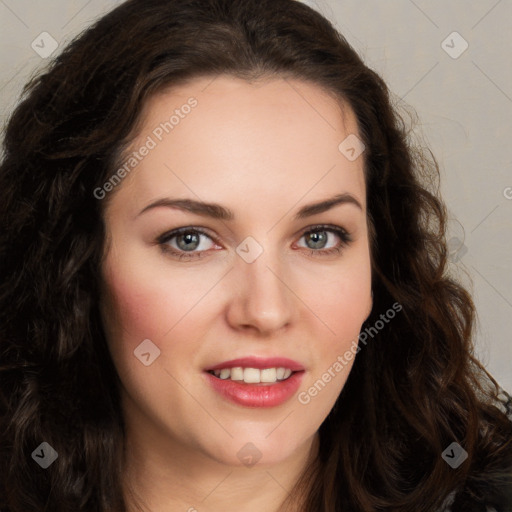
(263, 300)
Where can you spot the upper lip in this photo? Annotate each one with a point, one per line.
(260, 363)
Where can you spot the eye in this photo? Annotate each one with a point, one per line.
(318, 237)
(183, 242)
(186, 243)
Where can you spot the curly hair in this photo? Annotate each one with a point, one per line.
(414, 390)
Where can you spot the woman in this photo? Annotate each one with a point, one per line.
(224, 281)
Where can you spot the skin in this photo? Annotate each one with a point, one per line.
(263, 150)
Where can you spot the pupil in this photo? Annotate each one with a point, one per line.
(320, 238)
(189, 237)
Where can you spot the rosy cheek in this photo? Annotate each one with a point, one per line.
(132, 314)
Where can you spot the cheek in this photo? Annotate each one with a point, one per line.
(130, 311)
(342, 308)
(133, 308)
(140, 306)
(342, 299)
(342, 302)
(142, 301)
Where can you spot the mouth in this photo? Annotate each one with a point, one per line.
(249, 375)
(256, 381)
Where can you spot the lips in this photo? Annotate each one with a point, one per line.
(270, 394)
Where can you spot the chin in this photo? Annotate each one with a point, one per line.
(252, 450)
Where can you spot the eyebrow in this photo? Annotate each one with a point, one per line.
(216, 211)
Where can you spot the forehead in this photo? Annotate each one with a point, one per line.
(226, 137)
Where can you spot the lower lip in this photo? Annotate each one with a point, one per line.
(256, 395)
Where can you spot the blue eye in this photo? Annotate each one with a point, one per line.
(319, 237)
(183, 243)
(186, 240)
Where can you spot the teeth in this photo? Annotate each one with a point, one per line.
(224, 374)
(253, 375)
(268, 375)
(236, 373)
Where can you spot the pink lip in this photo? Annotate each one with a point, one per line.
(260, 363)
(256, 395)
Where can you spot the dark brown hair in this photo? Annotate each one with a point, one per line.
(412, 391)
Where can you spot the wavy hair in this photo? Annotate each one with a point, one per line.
(412, 391)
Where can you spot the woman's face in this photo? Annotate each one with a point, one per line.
(256, 282)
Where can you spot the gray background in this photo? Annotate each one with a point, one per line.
(463, 101)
